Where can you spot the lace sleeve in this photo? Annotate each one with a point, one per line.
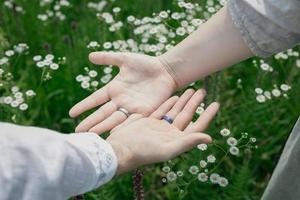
(267, 26)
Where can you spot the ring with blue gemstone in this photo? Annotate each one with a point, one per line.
(167, 119)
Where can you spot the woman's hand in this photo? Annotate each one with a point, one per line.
(140, 140)
(141, 86)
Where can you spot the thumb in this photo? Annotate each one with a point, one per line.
(187, 142)
(107, 58)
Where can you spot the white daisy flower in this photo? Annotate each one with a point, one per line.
(14, 104)
(42, 17)
(23, 106)
(130, 18)
(180, 31)
(166, 169)
(203, 163)
(86, 79)
(93, 73)
(107, 45)
(225, 132)
(47, 62)
(260, 98)
(181, 4)
(20, 100)
(8, 100)
(106, 78)
(179, 173)
(233, 150)
(197, 22)
(214, 178)
(211, 159)
(175, 16)
(253, 139)
(171, 177)
(265, 66)
(276, 92)
(85, 85)
(223, 182)
(258, 91)
(163, 14)
(211, 10)
(37, 58)
(107, 70)
(40, 64)
(202, 147)
(268, 94)
(15, 89)
(231, 141)
(9, 53)
(21, 48)
(200, 110)
(194, 169)
(93, 44)
(54, 66)
(4, 60)
(49, 57)
(285, 87)
(18, 94)
(116, 9)
(95, 83)
(202, 177)
(79, 78)
(30, 93)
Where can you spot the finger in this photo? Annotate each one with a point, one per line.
(107, 58)
(98, 116)
(164, 108)
(131, 119)
(205, 118)
(97, 98)
(187, 142)
(112, 121)
(186, 115)
(185, 97)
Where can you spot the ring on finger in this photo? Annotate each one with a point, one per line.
(124, 111)
(167, 119)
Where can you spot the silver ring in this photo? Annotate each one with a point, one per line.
(123, 110)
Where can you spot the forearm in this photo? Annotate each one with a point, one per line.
(216, 45)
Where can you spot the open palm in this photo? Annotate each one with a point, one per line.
(144, 140)
(140, 87)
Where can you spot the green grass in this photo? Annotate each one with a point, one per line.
(270, 122)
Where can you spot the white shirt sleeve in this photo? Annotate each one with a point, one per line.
(38, 163)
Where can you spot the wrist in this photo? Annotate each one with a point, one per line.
(169, 71)
(124, 157)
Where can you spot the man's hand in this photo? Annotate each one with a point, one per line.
(140, 140)
(140, 87)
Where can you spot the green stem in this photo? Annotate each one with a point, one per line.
(219, 163)
(219, 147)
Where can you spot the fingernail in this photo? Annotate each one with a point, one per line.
(217, 103)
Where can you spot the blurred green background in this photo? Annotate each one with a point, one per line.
(270, 122)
